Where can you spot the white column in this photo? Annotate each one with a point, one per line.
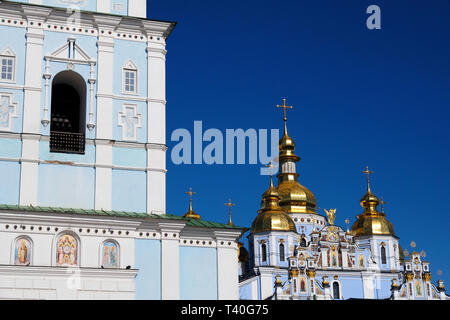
(103, 6)
(344, 254)
(32, 105)
(156, 178)
(227, 265)
(325, 257)
(29, 170)
(170, 260)
(137, 8)
(368, 285)
(103, 175)
(104, 108)
(267, 283)
(156, 124)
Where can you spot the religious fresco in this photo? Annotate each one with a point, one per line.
(67, 251)
(110, 257)
(22, 252)
(419, 289)
(302, 285)
(362, 261)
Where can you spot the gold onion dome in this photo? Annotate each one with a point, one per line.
(371, 221)
(271, 217)
(295, 198)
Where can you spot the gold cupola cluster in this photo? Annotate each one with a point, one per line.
(271, 217)
(295, 198)
(371, 221)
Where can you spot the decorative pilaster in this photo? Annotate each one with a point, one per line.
(227, 268)
(170, 260)
(156, 123)
(104, 110)
(32, 104)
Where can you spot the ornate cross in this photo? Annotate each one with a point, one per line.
(382, 204)
(190, 193)
(7, 112)
(284, 106)
(368, 172)
(130, 121)
(271, 166)
(229, 205)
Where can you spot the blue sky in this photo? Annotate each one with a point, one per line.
(377, 98)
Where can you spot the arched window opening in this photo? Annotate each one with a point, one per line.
(282, 254)
(383, 255)
(336, 290)
(68, 113)
(263, 252)
(303, 243)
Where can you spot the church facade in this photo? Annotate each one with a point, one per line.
(83, 161)
(295, 253)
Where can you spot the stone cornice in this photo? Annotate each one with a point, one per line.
(66, 272)
(92, 20)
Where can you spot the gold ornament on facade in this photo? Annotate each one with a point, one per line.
(331, 214)
(409, 276)
(311, 273)
(371, 221)
(426, 276)
(293, 273)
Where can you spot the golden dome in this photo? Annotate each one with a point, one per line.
(272, 217)
(286, 147)
(296, 198)
(371, 222)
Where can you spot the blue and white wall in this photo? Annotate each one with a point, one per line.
(120, 170)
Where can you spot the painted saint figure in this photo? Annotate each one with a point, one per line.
(110, 255)
(67, 250)
(22, 252)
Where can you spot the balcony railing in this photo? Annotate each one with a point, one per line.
(66, 142)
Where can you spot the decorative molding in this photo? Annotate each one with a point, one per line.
(130, 120)
(8, 111)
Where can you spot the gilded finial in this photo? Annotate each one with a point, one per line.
(229, 205)
(191, 213)
(347, 222)
(284, 106)
(368, 173)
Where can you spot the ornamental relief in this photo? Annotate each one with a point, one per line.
(8, 111)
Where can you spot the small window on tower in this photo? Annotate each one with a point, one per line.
(7, 65)
(263, 252)
(130, 78)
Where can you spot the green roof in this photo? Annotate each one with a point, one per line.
(122, 214)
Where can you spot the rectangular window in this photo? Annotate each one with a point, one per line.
(130, 81)
(7, 68)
